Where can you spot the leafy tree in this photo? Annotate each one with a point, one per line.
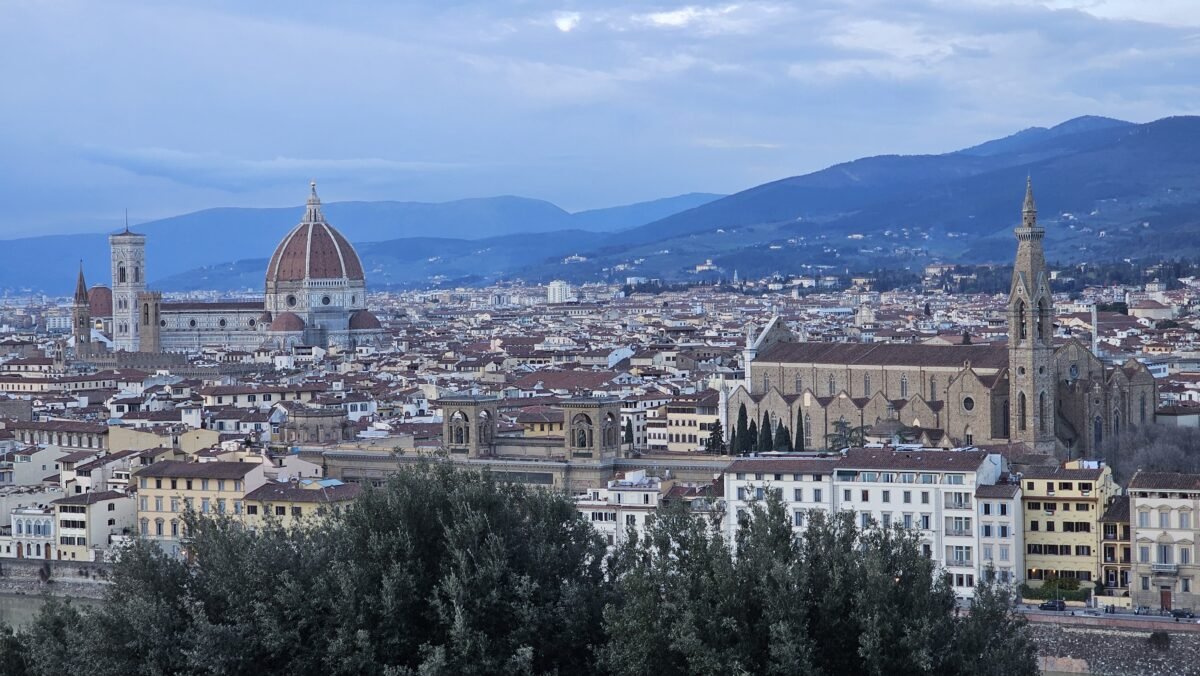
(845, 436)
(715, 443)
(765, 439)
(751, 434)
(834, 600)
(745, 440)
(441, 571)
(783, 439)
(629, 431)
(1154, 448)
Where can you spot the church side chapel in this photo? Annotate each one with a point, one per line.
(1051, 396)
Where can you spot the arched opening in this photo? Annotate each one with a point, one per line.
(807, 431)
(968, 436)
(1116, 424)
(1042, 319)
(611, 425)
(1022, 334)
(1097, 432)
(582, 432)
(145, 314)
(137, 274)
(904, 386)
(485, 427)
(121, 273)
(1021, 412)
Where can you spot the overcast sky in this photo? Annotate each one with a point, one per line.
(168, 107)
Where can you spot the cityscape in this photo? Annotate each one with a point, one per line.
(923, 411)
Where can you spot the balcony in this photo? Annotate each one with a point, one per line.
(1165, 568)
(961, 563)
(960, 532)
(958, 504)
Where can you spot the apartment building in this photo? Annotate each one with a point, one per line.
(287, 502)
(1063, 506)
(1163, 507)
(91, 524)
(627, 501)
(1117, 548)
(691, 419)
(169, 488)
(1001, 531)
(930, 491)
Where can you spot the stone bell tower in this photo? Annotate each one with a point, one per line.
(469, 424)
(81, 317)
(128, 280)
(1032, 380)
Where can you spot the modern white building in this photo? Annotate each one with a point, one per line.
(930, 491)
(629, 501)
(558, 291)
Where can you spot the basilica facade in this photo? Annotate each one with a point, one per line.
(315, 294)
(1050, 395)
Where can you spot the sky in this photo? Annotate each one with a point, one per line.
(166, 107)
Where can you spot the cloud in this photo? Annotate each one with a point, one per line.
(566, 21)
(213, 170)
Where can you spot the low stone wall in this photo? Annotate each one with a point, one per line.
(58, 578)
(1068, 647)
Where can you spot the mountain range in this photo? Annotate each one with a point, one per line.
(1105, 189)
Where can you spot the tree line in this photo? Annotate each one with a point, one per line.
(447, 571)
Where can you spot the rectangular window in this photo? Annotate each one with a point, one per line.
(1164, 519)
(204, 484)
(158, 503)
(816, 495)
(798, 495)
(1185, 555)
(987, 530)
(864, 519)
(630, 519)
(253, 510)
(1003, 509)
(220, 505)
(987, 552)
(1144, 554)
(1145, 583)
(887, 496)
(887, 520)
(1143, 519)
(987, 508)
(1003, 552)
(1003, 531)
(866, 495)
(906, 496)
(798, 518)
(908, 521)
(204, 505)
(1185, 520)
(282, 511)
(924, 522)
(846, 495)
(924, 497)
(1033, 526)
(1187, 585)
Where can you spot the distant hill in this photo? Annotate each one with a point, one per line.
(209, 239)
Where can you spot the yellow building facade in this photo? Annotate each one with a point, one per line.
(1063, 507)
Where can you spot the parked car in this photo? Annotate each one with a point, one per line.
(1182, 614)
(1053, 604)
(1141, 610)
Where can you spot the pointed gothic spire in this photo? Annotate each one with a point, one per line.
(312, 212)
(81, 293)
(1029, 210)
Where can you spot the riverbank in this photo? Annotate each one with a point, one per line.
(57, 578)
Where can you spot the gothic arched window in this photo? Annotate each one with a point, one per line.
(1042, 318)
(832, 385)
(866, 384)
(807, 431)
(1021, 412)
(932, 388)
(1116, 424)
(1021, 320)
(904, 386)
(799, 384)
(1142, 407)
(1097, 432)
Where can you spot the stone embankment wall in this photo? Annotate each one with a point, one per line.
(1086, 647)
(58, 578)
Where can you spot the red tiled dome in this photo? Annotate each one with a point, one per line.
(364, 320)
(100, 301)
(314, 250)
(287, 321)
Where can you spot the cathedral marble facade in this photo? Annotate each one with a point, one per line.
(1049, 394)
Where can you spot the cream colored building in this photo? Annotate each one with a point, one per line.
(1063, 508)
(1163, 508)
(91, 524)
(166, 490)
(690, 421)
(289, 502)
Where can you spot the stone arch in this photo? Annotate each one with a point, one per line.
(486, 425)
(610, 427)
(460, 428)
(582, 431)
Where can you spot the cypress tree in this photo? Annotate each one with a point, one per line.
(744, 439)
(751, 438)
(799, 440)
(629, 431)
(783, 439)
(765, 441)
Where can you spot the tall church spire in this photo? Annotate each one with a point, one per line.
(1031, 365)
(81, 292)
(1029, 210)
